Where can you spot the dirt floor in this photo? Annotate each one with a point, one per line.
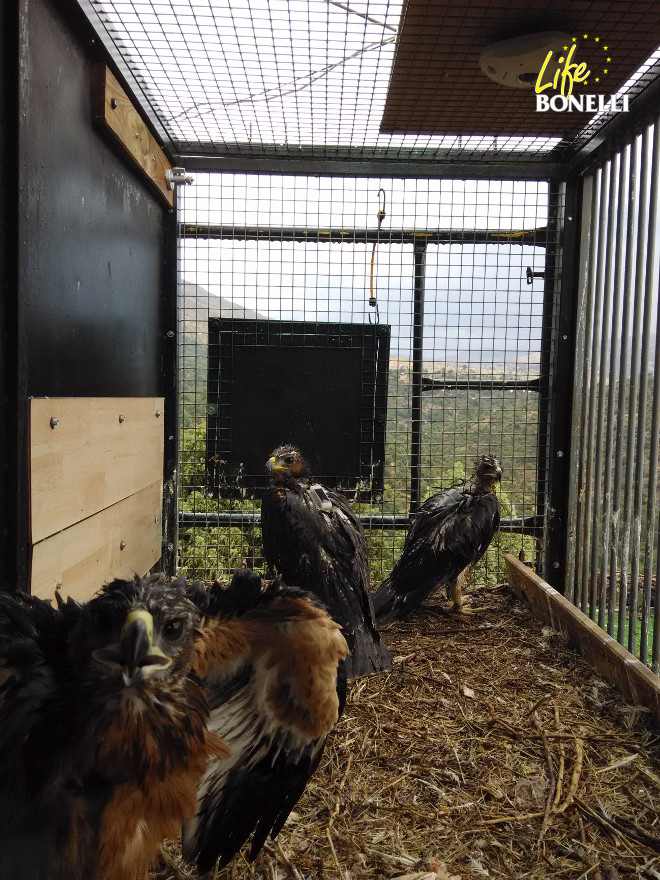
(491, 750)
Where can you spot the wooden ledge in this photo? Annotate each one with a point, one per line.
(635, 681)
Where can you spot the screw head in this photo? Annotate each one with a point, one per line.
(158, 413)
(121, 418)
(556, 564)
(170, 334)
(113, 103)
(54, 422)
(122, 545)
(560, 454)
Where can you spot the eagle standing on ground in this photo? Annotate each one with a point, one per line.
(313, 538)
(152, 705)
(447, 537)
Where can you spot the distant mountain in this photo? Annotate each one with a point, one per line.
(197, 305)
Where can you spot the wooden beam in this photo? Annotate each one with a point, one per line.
(115, 113)
(121, 541)
(87, 453)
(635, 681)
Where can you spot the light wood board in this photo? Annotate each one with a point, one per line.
(85, 556)
(114, 110)
(90, 459)
(635, 681)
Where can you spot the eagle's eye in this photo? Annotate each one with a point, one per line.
(289, 459)
(173, 629)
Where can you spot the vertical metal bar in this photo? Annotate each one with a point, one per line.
(582, 271)
(170, 381)
(543, 465)
(617, 572)
(650, 506)
(598, 577)
(633, 398)
(610, 482)
(581, 596)
(650, 292)
(596, 306)
(560, 461)
(655, 652)
(417, 356)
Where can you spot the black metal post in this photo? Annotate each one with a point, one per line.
(170, 379)
(544, 451)
(417, 357)
(560, 380)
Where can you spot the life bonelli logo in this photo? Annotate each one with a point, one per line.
(555, 92)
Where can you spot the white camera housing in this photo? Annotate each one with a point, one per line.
(516, 63)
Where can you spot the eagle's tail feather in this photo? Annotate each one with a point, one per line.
(369, 655)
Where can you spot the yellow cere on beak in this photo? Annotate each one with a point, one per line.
(135, 654)
(146, 618)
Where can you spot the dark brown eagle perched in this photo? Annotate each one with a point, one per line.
(313, 538)
(154, 705)
(447, 537)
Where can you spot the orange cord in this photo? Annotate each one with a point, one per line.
(381, 217)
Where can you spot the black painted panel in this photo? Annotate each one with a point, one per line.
(91, 235)
(9, 435)
(321, 386)
(90, 294)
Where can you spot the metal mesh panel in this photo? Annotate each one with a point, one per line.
(613, 548)
(450, 281)
(303, 77)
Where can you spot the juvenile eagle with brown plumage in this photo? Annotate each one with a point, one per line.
(313, 538)
(155, 705)
(447, 537)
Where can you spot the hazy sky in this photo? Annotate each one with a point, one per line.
(477, 303)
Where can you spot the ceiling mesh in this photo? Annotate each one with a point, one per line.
(269, 78)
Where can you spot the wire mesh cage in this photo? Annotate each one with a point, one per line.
(454, 274)
(464, 273)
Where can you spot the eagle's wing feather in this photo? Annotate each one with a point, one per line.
(26, 676)
(270, 674)
(451, 531)
(325, 552)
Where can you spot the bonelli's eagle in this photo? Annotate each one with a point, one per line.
(313, 538)
(447, 537)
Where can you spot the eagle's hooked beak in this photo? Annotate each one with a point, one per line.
(272, 465)
(139, 655)
(135, 654)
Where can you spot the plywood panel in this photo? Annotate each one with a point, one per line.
(636, 682)
(436, 85)
(114, 110)
(98, 451)
(86, 555)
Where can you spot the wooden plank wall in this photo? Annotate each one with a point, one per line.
(96, 482)
(635, 681)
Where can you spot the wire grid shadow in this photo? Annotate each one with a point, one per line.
(465, 346)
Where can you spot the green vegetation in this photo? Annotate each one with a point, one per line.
(457, 426)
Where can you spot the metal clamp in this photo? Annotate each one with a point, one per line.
(177, 177)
